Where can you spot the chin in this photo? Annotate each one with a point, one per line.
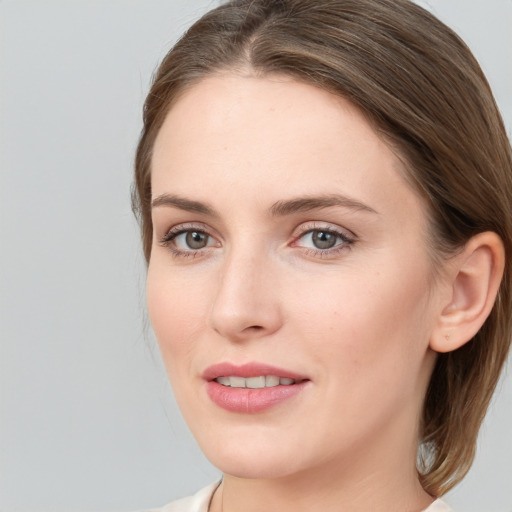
(247, 467)
(251, 460)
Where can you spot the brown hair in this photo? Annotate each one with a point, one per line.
(424, 92)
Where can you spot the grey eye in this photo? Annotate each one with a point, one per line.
(323, 239)
(196, 239)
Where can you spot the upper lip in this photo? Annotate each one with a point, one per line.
(252, 369)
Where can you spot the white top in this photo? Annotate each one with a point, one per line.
(200, 501)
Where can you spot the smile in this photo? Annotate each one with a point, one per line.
(262, 381)
(252, 387)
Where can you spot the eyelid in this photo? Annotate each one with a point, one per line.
(307, 227)
(346, 239)
(167, 240)
(175, 230)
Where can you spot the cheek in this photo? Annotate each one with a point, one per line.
(368, 339)
(368, 324)
(177, 313)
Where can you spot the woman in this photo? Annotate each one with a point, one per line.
(324, 191)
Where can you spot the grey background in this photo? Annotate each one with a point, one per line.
(87, 418)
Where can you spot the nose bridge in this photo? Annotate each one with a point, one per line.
(245, 303)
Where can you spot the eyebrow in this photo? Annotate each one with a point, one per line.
(278, 209)
(307, 203)
(183, 204)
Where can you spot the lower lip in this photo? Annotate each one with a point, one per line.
(246, 400)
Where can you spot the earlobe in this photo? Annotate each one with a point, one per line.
(474, 282)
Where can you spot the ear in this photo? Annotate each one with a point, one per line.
(473, 280)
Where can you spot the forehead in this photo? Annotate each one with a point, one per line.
(272, 137)
(221, 105)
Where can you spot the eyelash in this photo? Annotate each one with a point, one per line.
(168, 240)
(344, 240)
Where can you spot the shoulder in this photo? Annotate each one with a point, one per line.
(438, 506)
(196, 503)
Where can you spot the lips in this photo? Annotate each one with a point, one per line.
(248, 370)
(252, 387)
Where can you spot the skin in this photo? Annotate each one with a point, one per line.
(357, 319)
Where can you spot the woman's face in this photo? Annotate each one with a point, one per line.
(290, 253)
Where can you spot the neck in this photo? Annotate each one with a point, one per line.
(371, 478)
(311, 494)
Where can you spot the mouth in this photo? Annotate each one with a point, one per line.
(259, 382)
(251, 375)
(251, 387)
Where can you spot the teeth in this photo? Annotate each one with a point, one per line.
(271, 381)
(262, 381)
(237, 382)
(224, 381)
(255, 382)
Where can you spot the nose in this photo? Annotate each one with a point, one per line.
(246, 304)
